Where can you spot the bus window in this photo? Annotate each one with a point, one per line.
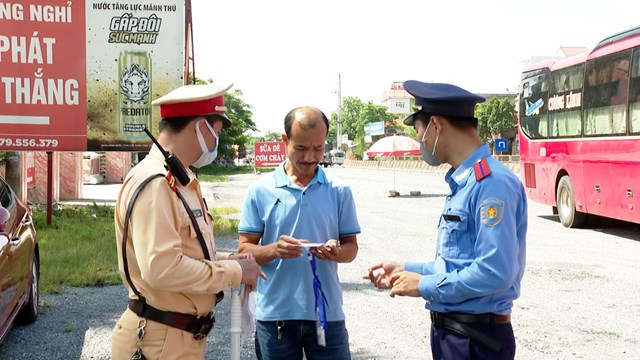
(533, 109)
(634, 94)
(565, 102)
(605, 95)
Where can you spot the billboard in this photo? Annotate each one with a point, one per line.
(376, 128)
(78, 75)
(269, 153)
(42, 75)
(135, 54)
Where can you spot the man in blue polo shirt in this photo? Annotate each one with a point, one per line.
(299, 223)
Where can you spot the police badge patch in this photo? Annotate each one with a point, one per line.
(491, 211)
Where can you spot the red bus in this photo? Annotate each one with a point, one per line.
(579, 132)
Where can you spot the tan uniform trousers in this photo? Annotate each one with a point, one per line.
(160, 341)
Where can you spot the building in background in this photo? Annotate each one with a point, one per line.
(397, 99)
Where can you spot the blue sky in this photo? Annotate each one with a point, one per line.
(284, 54)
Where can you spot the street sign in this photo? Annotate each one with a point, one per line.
(376, 128)
(501, 144)
(269, 153)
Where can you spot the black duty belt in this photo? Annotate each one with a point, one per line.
(459, 323)
(198, 326)
(438, 318)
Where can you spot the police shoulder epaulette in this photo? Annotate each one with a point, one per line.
(481, 169)
(172, 181)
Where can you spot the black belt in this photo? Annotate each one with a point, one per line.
(438, 318)
(198, 326)
(459, 323)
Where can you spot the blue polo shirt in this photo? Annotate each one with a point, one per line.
(481, 248)
(324, 210)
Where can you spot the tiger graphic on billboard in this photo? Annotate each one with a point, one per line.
(135, 84)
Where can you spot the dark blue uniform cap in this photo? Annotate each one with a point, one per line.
(441, 99)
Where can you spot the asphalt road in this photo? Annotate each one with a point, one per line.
(580, 293)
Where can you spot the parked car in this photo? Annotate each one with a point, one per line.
(326, 159)
(337, 157)
(19, 263)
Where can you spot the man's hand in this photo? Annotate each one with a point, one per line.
(405, 283)
(250, 270)
(329, 251)
(288, 247)
(380, 274)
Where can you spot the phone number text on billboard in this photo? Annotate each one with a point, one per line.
(24, 143)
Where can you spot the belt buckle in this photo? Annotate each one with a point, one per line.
(206, 324)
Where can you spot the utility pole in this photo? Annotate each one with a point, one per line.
(339, 124)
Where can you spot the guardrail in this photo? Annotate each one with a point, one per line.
(419, 165)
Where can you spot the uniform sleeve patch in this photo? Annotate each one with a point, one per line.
(491, 211)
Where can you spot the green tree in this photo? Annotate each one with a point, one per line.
(411, 132)
(241, 123)
(496, 116)
(355, 114)
(272, 135)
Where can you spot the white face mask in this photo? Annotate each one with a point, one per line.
(207, 156)
(428, 156)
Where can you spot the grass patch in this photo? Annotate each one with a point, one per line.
(79, 247)
(224, 211)
(213, 178)
(218, 173)
(225, 226)
(219, 170)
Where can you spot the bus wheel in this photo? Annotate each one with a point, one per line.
(566, 204)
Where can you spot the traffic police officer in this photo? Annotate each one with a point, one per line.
(166, 248)
(480, 254)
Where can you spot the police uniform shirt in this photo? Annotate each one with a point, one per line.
(480, 251)
(166, 261)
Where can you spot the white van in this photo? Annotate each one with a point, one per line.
(337, 157)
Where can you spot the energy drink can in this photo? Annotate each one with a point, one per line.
(134, 74)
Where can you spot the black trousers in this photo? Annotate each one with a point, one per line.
(449, 345)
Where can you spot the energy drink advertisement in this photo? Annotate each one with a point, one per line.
(135, 53)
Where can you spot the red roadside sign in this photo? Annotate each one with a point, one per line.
(42, 73)
(269, 153)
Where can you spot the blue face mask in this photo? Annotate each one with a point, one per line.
(428, 156)
(207, 156)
